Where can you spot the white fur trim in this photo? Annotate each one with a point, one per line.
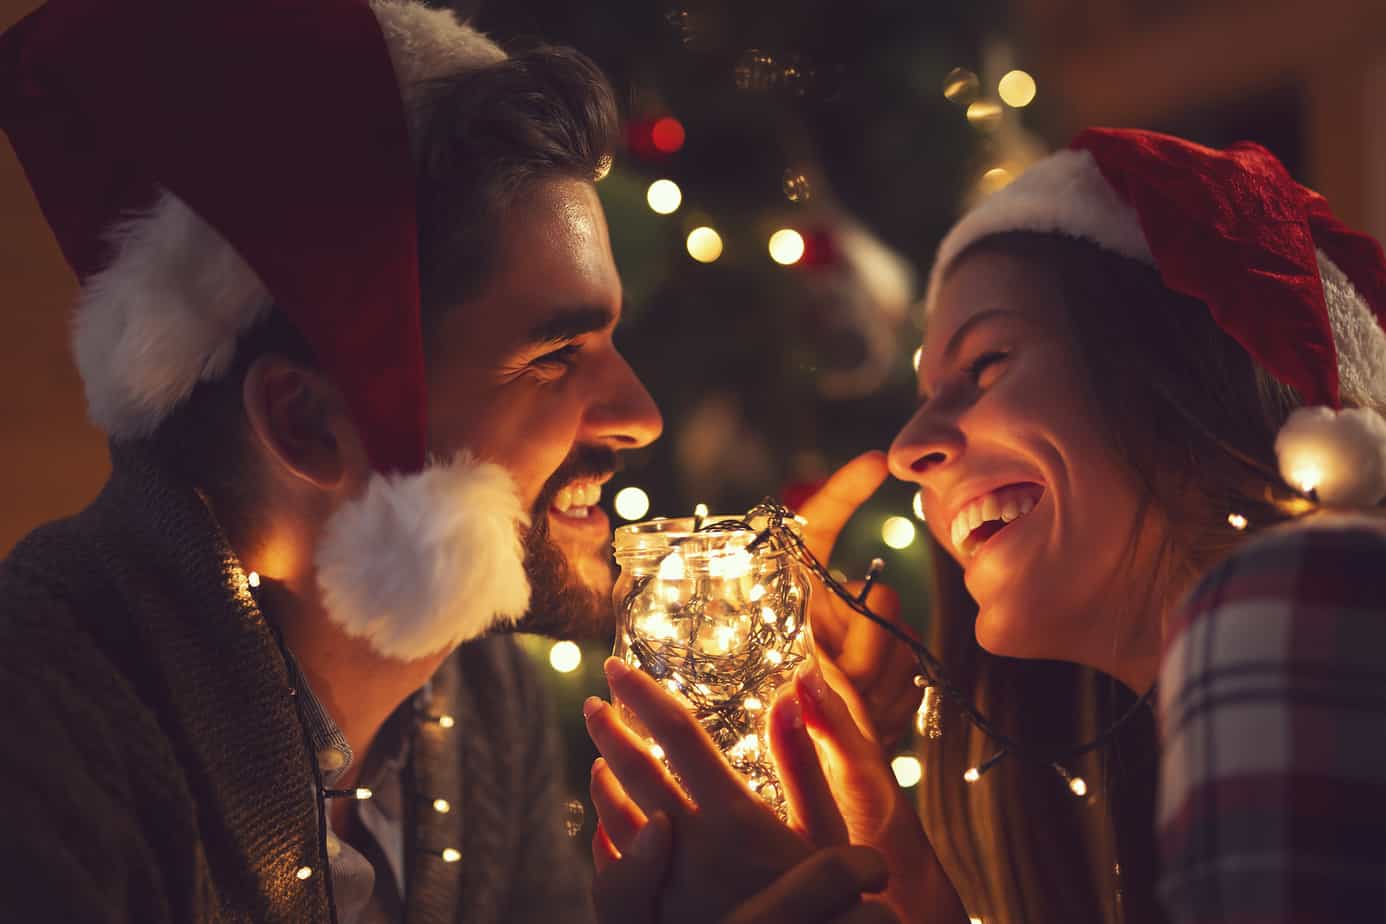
(166, 312)
(1065, 193)
(1340, 455)
(1358, 336)
(420, 563)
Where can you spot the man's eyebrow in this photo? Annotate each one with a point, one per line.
(980, 317)
(571, 323)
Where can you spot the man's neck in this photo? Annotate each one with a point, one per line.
(358, 687)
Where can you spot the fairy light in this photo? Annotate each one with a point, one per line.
(1307, 476)
(565, 657)
(445, 721)
(1078, 785)
(757, 594)
(442, 806)
(1236, 521)
(898, 533)
(253, 579)
(1017, 89)
(451, 854)
(907, 769)
(752, 704)
(704, 244)
(972, 774)
(664, 197)
(657, 751)
(786, 246)
(631, 503)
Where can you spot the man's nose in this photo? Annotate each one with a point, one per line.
(625, 416)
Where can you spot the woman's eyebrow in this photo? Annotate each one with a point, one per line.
(980, 317)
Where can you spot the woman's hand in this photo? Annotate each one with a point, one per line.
(881, 668)
(730, 854)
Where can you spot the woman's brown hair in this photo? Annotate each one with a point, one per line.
(1195, 419)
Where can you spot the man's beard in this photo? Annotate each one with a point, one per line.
(562, 603)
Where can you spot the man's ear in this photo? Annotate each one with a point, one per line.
(301, 422)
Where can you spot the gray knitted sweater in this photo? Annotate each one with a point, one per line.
(154, 766)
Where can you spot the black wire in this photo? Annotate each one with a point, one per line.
(930, 667)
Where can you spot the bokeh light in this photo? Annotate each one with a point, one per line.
(961, 86)
(908, 771)
(631, 503)
(565, 657)
(668, 135)
(786, 246)
(985, 113)
(664, 196)
(704, 244)
(1017, 89)
(898, 533)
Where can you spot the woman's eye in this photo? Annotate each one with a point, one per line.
(980, 366)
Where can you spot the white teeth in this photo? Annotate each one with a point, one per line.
(571, 497)
(580, 512)
(563, 499)
(1006, 505)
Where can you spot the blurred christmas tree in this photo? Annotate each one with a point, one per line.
(846, 128)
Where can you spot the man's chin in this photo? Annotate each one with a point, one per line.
(570, 588)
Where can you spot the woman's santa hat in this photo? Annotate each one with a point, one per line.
(1301, 292)
(202, 162)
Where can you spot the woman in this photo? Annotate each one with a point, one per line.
(1133, 358)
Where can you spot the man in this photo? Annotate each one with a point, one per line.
(347, 315)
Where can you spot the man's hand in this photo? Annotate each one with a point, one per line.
(878, 666)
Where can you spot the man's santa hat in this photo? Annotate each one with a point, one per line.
(1301, 292)
(204, 163)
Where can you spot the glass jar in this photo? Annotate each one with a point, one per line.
(721, 623)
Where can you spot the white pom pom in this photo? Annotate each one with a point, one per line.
(1339, 455)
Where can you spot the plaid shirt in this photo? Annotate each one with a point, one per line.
(1272, 802)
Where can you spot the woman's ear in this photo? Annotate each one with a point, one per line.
(301, 423)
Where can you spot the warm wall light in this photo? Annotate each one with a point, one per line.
(704, 244)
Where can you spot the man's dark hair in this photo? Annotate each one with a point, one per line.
(481, 139)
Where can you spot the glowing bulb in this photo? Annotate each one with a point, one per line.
(664, 196)
(1307, 477)
(304, 872)
(748, 748)
(1017, 89)
(363, 793)
(671, 569)
(972, 775)
(919, 505)
(673, 686)
(974, 920)
(700, 511)
(1236, 521)
(565, 657)
(774, 657)
(918, 355)
(898, 533)
(733, 566)
(704, 244)
(726, 635)
(768, 616)
(757, 593)
(786, 246)
(657, 751)
(253, 579)
(446, 721)
(1078, 785)
(753, 704)
(632, 503)
(451, 855)
(907, 770)
(442, 806)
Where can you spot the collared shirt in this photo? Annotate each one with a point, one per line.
(1272, 802)
(361, 895)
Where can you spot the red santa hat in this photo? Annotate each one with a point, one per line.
(1301, 292)
(202, 162)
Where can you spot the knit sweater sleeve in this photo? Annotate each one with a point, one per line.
(73, 846)
(552, 881)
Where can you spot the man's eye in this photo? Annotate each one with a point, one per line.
(563, 356)
(978, 367)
